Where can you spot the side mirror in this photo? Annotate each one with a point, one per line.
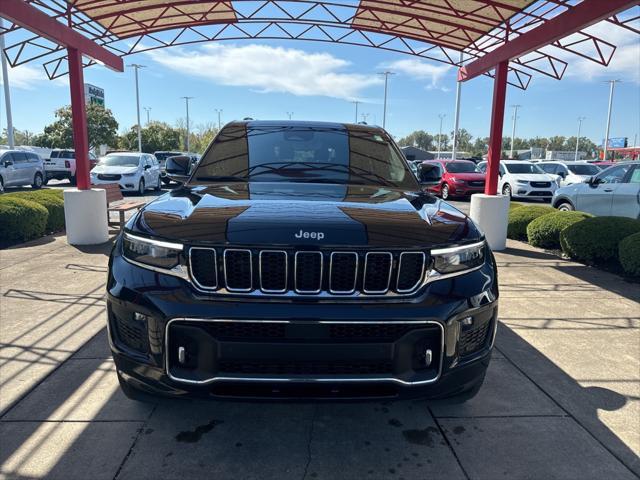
(8, 163)
(593, 181)
(147, 167)
(562, 174)
(178, 168)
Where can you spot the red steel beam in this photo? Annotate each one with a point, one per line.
(576, 18)
(79, 119)
(495, 133)
(29, 17)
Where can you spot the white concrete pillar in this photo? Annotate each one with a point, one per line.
(490, 213)
(85, 216)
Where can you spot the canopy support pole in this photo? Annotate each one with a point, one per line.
(79, 119)
(495, 134)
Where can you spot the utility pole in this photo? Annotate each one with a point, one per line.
(7, 93)
(441, 116)
(219, 112)
(456, 119)
(356, 103)
(137, 67)
(289, 114)
(386, 82)
(513, 128)
(580, 120)
(186, 102)
(612, 84)
(147, 109)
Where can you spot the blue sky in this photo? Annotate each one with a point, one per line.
(318, 81)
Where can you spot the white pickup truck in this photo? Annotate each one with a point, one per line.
(62, 164)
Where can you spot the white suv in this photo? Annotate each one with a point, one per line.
(570, 172)
(522, 179)
(18, 168)
(133, 171)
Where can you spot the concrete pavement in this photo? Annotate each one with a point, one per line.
(561, 398)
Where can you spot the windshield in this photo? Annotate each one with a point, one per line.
(311, 154)
(523, 168)
(161, 156)
(120, 161)
(461, 167)
(584, 169)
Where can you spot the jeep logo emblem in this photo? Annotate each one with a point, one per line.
(312, 235)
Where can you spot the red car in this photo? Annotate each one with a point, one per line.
(458, 178)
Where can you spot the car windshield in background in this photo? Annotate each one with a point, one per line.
(523, 168)
(120, 161)
(313, 154)
(584, 169)
(461, 167)
(162, 156)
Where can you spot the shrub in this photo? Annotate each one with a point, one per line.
(520, 217)
(596, 240)
(629, 254)
(544, 231)
(21, 220)
(514, 205)
(50, 199)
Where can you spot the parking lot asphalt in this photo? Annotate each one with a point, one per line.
(561, 399)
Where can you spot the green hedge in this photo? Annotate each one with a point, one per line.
(21, 220)
(50, 199)
(544, 231)
(520, 217)
(629, 254)
(596, 240)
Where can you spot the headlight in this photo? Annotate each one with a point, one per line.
(523, 182)
(456, 259)
(154, 253)
(129, 174)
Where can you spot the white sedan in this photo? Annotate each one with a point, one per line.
(519, 178)
(134, 172)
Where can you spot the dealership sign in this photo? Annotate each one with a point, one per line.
(620, 142)
(93, 94)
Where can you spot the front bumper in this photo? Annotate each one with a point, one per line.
(258, 347)
(527, 191)
(464, 189)
(126, 184)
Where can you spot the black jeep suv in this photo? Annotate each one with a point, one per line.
(300, 259)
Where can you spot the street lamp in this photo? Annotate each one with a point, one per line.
(580, 120)
(356, 103)
(289, 114)
(186, 102)
(456, 120)
(441, 117)
(612, 84)
(219, 112)
(513, 128)
(365, 116)
(137, 67)
(147, 109)
(7, 96)
(386, 81)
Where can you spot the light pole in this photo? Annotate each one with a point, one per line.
(612, 84)
(289, 114)
(365, 116)
(219, 112)
(441, 117)
(356, 103)
(7, 95)
(386, 82)
(456, 120)
(147, 109)
(186, 102)
(580, 120)
(137, 67)
(513, 128)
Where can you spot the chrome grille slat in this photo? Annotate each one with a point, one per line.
(342, 271)
(370, 267)
(267, 268)
(299, 266)
(403, 264)
(241, 266)
(193, 269)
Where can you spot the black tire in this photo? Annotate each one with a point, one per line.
(46, 180)
(132, 393)
(1, 186)
(37, 181)
(565, 207)
(158, 186)
(506, 190)
(141, 187)
(166, 180)
(73, 180)
(444, 192)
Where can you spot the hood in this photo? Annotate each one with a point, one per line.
(288, 214)
(113, 169)
(469, 176)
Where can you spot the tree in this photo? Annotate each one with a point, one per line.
(102, 128)
(20, 137)
(155, 136)
(444, 142)
(556, 143)
(480, 147)
(463, 139)
(419, 138)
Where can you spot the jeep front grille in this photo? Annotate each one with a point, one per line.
(306, 272)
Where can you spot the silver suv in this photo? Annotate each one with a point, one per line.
(19, 168)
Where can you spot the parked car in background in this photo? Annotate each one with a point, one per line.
(458, 178)
(570, 172)
(603, 165)
(162, 156)
(133, 171)
(614, 191)
(522, 179)
(18, 168)
(61, 165)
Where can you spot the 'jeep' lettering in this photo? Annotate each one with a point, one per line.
(312, 235)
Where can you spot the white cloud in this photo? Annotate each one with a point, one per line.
(421, 70)
(268, 69)
(28, 77)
